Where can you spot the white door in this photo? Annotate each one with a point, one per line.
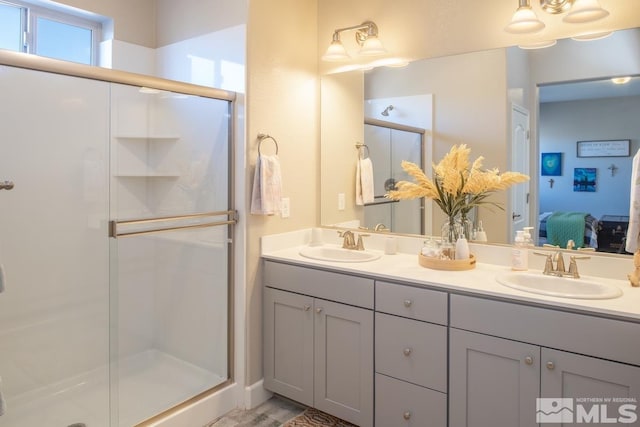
(520, 149)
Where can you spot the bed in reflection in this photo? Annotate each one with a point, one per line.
(557, 228)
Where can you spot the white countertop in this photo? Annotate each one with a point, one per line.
(404, 267)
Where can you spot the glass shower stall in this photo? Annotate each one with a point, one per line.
(116, 226)
(388, 144)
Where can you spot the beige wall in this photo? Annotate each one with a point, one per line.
(342, 127)
(134, 21)
(283, 101)
(197, 17)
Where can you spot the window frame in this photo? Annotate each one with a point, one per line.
(29, 18)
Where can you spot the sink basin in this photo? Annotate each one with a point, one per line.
(563, 287)
(337, 254)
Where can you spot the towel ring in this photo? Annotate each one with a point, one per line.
(262, 137)
(360, 146)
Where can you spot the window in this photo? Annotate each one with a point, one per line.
(46, 32)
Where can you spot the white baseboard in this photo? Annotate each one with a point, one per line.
(255, 395)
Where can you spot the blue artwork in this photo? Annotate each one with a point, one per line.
(584, 179)
(551, 164)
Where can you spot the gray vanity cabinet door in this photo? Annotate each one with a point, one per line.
(288, 345)
(402, 404)
(493, 381)
(344, 361)
(569, 375)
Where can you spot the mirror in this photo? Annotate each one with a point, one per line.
(473, 95)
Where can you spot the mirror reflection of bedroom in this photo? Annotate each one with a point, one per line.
(587, 144)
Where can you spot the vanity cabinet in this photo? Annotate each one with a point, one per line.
(495, 381)
(442, 358)
(319, 351)
(410, 356)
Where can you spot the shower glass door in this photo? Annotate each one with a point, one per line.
(171, 246)
(388, 147)
(54, 250)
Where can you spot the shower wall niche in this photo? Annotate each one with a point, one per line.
(111, 331)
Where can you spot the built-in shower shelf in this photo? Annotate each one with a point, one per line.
(148, 175)
(145, 138)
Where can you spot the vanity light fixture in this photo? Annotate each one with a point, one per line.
(585, 11)
(538, 45)
(366, 36)
(525, 20)
(555, 6)
(591, 36)
(336, 51)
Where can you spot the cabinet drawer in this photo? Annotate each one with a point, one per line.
(579, 333)
(343, 288)
(412, 302)
(412, 351)
(400, 404)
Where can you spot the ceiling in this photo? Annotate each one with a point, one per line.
(593, 89)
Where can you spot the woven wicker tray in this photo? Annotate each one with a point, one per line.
(447, 264)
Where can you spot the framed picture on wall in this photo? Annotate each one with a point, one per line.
(584, 179)
(551, 164)
(604, 148)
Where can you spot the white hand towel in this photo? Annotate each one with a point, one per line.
(3, 404)
(2, 278)
(633, 231)
(364, 182)
(266, 195)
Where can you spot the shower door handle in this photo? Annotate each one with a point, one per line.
(6, 185)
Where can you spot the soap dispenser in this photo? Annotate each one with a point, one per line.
(481, 235)
(462, 248)
(528, 239)
(519, 253)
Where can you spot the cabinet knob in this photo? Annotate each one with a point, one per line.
(407, 351)
(550, 365)
(408, 303)
(406, 415)
(319, 310)
(307, 307)
(528, 360)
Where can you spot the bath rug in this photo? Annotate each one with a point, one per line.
(314, 418)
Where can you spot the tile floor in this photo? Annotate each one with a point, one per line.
(273, 413)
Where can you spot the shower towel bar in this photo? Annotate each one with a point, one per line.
(113, 225)
(262, 137)
(360, 146)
